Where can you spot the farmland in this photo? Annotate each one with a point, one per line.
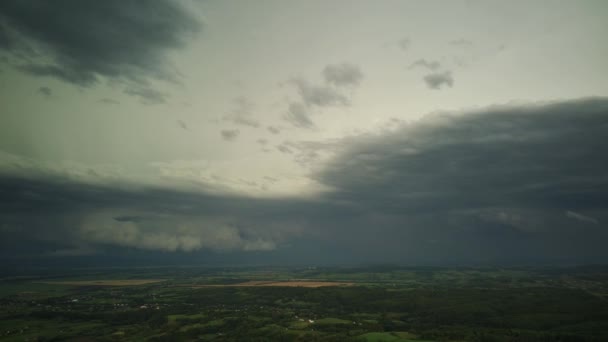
(287, 283)
(307, 304)
(112, 282)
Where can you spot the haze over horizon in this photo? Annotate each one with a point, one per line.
(295, 132)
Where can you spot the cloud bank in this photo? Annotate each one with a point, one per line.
(84, 42)
(500, 185)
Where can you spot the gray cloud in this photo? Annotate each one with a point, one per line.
(45, 91)
(298, 115)
(581, 217)
(109, 101)
(230, 134)
(127, 218)
(182, 124)
(438, 79)
(309, 154)
(539, 155)
(322, 96)
(71, 216)
(491, 185)
(313, 96)
(147, 95)
(423, 63)
(344, 74)
(501, 176)
(273, 130)
(463, 43)
(242, 113)
(81, 42)
(190, 234)
(284, 149)
(404, 43)
(58, 72)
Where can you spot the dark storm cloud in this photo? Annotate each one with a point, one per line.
(5, 40)
(79, 41)
(55, 213)
(45, 91)
(128, 218)
(58, 72)
(438, 79)
(505, 184)
(229, 134)
(487, 183)
(545, 156)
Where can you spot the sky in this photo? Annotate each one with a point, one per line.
(303, 132)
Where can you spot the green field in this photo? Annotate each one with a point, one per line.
(383, 304)
(396, 336)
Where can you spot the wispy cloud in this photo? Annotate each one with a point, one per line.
(230, 134)
(45, 91)
(298, 114)
(437, 80)
(182, 124)
(242, 113)
(581, 217)
(404, 43)
(344, 74)
(423, 63)
(338, 79)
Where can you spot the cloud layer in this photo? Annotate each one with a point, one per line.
(83, 42)
(504, 184)
(540, 155)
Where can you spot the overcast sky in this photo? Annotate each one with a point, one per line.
(414, 132)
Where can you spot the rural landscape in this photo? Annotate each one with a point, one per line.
(374, 304)
(303, 170)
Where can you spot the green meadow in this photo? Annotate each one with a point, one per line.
(387, 304)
